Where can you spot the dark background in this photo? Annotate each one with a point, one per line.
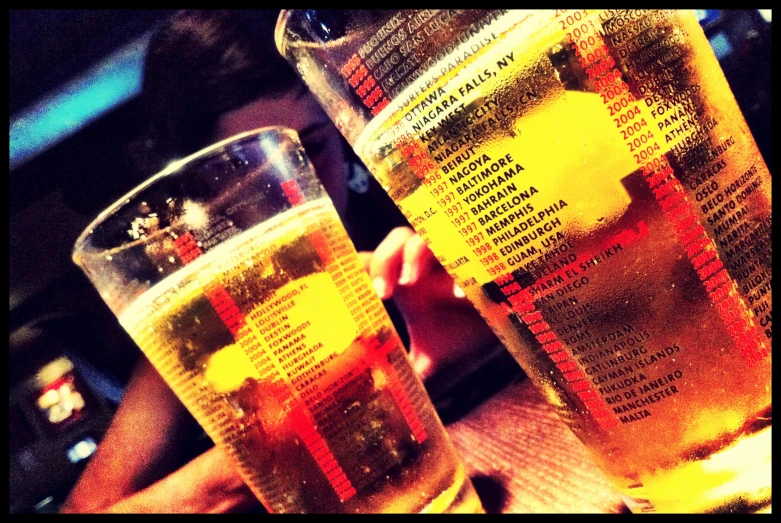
(55, 195)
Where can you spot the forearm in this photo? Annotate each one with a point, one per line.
(207, 484)
(140, 446)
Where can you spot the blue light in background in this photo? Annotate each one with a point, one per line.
(82, 450)
(707, 16)
(111, 82)
(720, 44)
(118, 79)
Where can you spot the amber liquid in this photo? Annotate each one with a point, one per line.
(276, 343)
(538, 169)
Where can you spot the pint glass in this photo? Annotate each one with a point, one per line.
(587, 178)
(233, 273)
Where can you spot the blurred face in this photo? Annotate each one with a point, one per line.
(297, 110)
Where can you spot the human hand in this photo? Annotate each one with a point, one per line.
(444, 327)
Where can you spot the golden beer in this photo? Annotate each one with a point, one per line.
(272, 335)
(588, 180)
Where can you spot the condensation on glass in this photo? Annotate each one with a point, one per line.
(587, 178)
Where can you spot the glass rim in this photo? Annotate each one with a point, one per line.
(172, 168)
(279, 30)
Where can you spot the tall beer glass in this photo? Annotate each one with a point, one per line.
(233, 273)
(587, 178)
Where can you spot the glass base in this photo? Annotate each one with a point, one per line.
(461, 498)
(734, 480)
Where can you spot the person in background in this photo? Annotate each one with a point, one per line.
(210, 75)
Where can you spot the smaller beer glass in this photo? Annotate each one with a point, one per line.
(233, 273)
